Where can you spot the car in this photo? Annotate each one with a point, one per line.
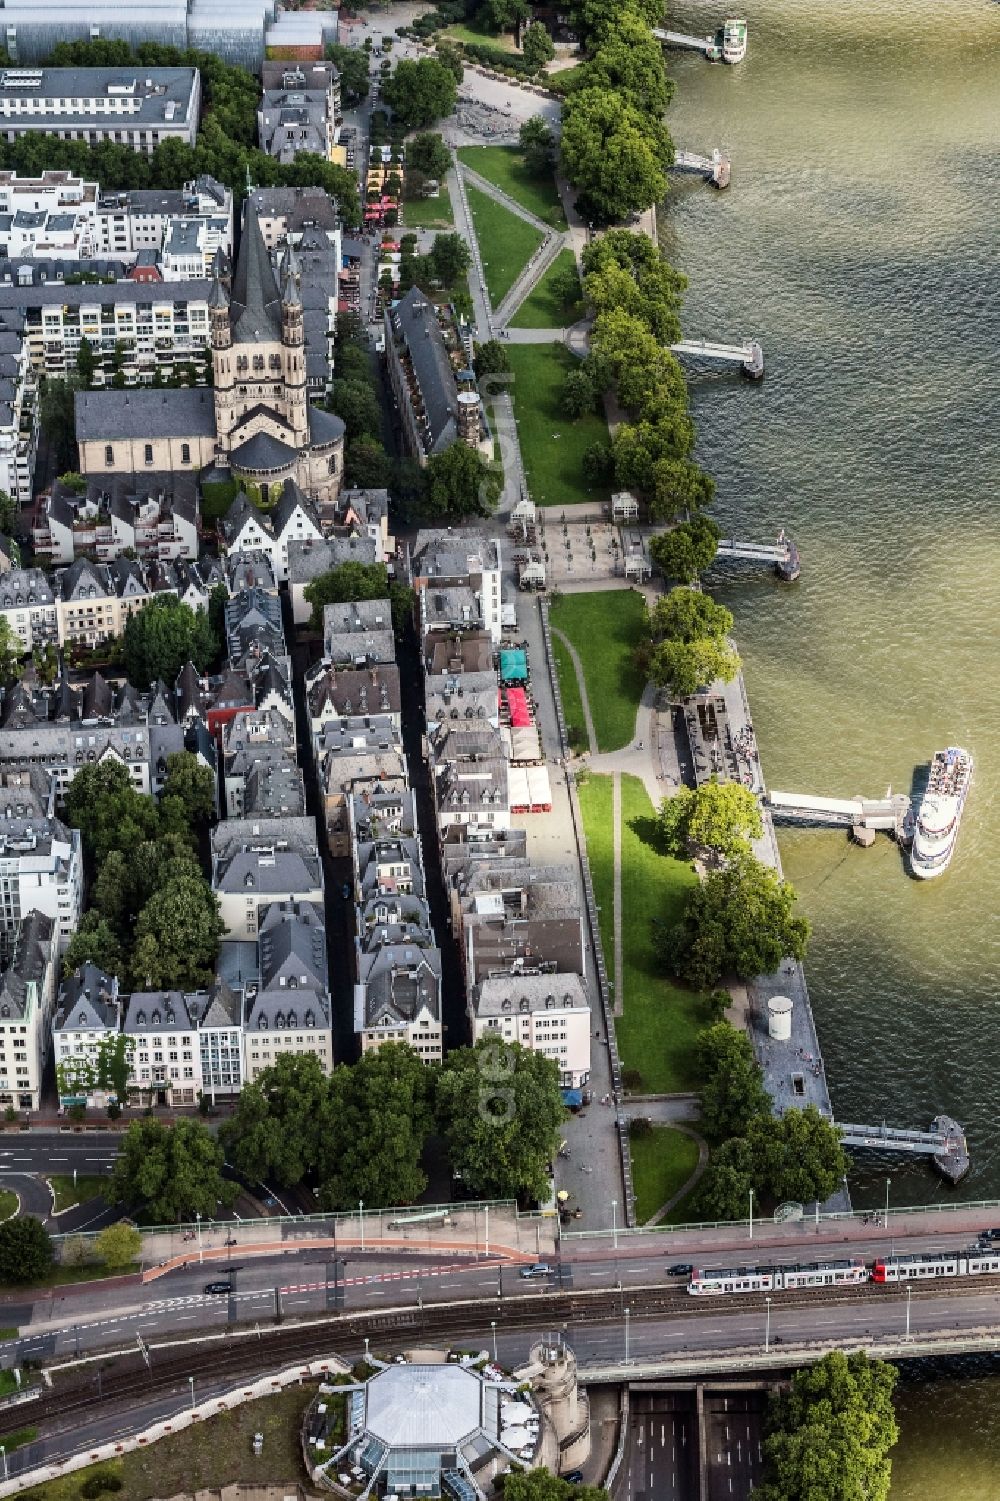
(540, 1269)
(680, 1269)
(989, 1235)
(575, 1477)
(218, 1287)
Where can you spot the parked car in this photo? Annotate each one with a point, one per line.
(540, 1269)
(575, 1477)
(679, 1269)
(218, 1287)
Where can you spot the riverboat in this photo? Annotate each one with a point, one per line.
(713, 50)
(734, 40)
(940, 812)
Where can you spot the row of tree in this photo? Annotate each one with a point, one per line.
(153, 919)
(687, 645)
(225, 147)
(616, 149)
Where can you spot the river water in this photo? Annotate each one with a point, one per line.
(859, 241)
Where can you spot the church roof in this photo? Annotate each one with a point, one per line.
(263, 454)
(324, 427)
(256, 302)
(185, 413)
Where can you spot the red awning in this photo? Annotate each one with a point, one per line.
(517, 702)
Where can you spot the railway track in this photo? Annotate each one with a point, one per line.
(102, 1381)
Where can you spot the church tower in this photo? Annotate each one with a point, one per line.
(293, 351)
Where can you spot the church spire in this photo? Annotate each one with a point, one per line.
(255, 298)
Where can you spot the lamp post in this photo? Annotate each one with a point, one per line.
(628, 1312)
(493, 1327)
(3, 1451)
(197, 1217)
(909, 1295)
(614, 1221)
(751, 1214)
(887, 1182)
(361, 1217)
(191, 1384)
(487, 1229)
(767, 1327)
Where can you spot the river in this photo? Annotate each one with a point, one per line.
(859, 242)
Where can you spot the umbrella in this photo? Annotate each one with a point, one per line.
(562, 1196)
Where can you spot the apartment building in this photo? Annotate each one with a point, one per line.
(154, 521)
(289, 1010)
(246, 528)
(260, 739)
(256, 863)
(134, 106)
(87, 1021)
(432, 379)
(355, 753)
(18, 407)
(41, 859)
(299, 109)
(546, 1013)
(130, 222)
(358, 634)
(469, 777)
(27, 1001)
(28, 605)
(444, 559)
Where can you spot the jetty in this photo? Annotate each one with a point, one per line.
(890, 813)
(703, 44)
(782, 554)
(715, 169)
(748, 354)
(944, 1144)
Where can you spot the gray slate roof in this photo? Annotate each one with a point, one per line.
(109, 415)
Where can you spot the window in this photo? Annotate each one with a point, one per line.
(185, 453)
(109, 456)
(148, 453)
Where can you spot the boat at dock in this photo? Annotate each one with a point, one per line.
(940, 812)
(734, 40)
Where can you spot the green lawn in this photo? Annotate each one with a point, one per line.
(606, 627)
(660, 1021)
(429, 213)
(594, 794)
(478, 36)
(506, 243)
(569, 689)
(8, 1203)
(67, 1193)
(662, 1162)
(504, 167)
(552, 445)
(542, 308)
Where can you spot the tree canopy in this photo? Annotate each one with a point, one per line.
(118, 1245)
(690, 649)
(348, 581)
(829, 1437)
(352, 65)
(542, 1485)
(613, 154)
(187, 801)
(732, 1091)
(537, 47)
(740, 920)
(164, 635)
(380, 1117)
(686, 550)
(418, 93)
(26, 1253)
(499, 1107)
(278, 1130)
(720, 817)
(427, 153)
(538, 144)
(171, 1173)
(459, 482)
(177, 936)
(102, 802)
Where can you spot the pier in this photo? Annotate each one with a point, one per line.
(783, 554)
(703, 44)
(944, 1143)
(748, 354)
(715, 169)
(889, 813)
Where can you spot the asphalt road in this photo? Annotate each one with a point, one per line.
(662, 1448)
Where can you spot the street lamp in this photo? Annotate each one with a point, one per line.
(751, 1214)
(887, 1182)
(191, 1384)
(3, 1451)
(361, 1217)
(909, 1294)
(198, 1223)
(614, 1221)
(627, 1315)
(767, 1327)
(493, 1326)
(487, 1229)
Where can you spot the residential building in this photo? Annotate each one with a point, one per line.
(289, 1012)
(51, 214)
(41, 860)
(274, 790)
(446, 558)
(28, 605)
(246, 528)
(261, 738)
(95, 600)
(18, 408)
(353, 753)
(253, 618)
(164, 1051)
(299, 109)
(27, 1001)
(457, 652)
(154, 521)
(87, 1021)
(431, 378)
(252, 875)
(218, 1017)
(135, 106)
(309, 560)
(334, 694)
(286, 214)
(398, 997)
(131, 222)
(547, 1013)
(467, 696)
(358, 634)
(469, 777)
(249, 570)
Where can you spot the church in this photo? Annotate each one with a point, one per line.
(256, 424)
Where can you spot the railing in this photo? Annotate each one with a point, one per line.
(839, 1216)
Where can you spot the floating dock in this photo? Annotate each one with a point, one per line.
(944, 1143)
(716, 169)
(748, 354)
(783, 554)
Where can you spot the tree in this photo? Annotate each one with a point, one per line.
(679, 485)
(720, 817)
(450, 258)
(427, 153)
(591, 19)
(686, 550)
(460, 483)
(683, 667)
(355, 401)
(278, 1131)
(450, 57)
(829, 1437)
(617, 157)
(578, 396)
(796, 1157)
(418, 93)
(502, 15)
(629, 61)
(733, 1092)
(491, 361)
(96, 941)
(352, 65)
(598, 463)
(188, 796)
(177, 936)
(161, 637)
(499, 1107)
(103, 804)
(380, 1117)
(45, 661)
(542, 1485)
(8, 513)
(86, 363)
(564, 284)
(537, 47)
(11, 651)
(689, 615)
(740, 920)
(366, 465)
(537, 143)
(25, 1250)
(346, 582)
(171, 1172)
(118, 1246)
(57, 419)
(625, 270)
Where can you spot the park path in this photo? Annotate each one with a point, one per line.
(553, 242)
(616, 828)
(691, 1183)
(504, 199)
(573, 655)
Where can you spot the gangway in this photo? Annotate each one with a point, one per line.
(715, 169)
(944, 1143)
(782, 553)
(748, 354)
(682, 39)
(889, 812)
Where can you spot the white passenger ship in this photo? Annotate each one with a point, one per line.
(940, 812)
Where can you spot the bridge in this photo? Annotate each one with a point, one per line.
(783, 554)
(716, 168)
(889, 812)
(681, 39)
(944, 1143)
(747, 353)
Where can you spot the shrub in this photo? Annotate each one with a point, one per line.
(641, 1126)
(104, 1483)
(631, 1078)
